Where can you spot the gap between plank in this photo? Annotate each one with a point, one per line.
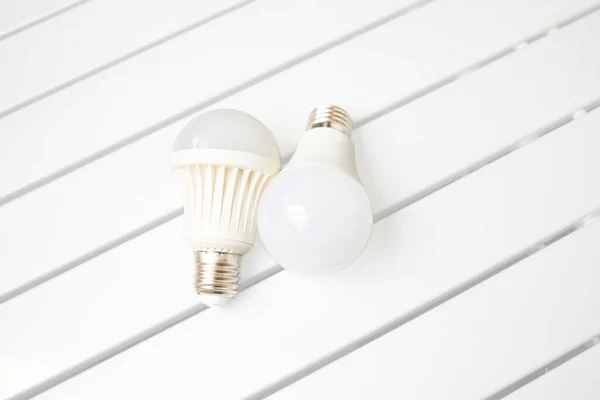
(275, 71)
(11, 294)
(538, 373)
(47, 93)
(461, 73)
(131, 342)
(192, 311)
(39, 21)
(424, 308)
(478, 65)
(206, 103)
(503, 152)
(313, 367)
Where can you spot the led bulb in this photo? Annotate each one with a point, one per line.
(315, 217)
(225, 159)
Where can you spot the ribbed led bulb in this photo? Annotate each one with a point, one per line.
(315, 217)
(225, 159)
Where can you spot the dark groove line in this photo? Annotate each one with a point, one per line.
(130, 342)
(413, 97)
(95, 71)
(474, 67)
(190, 312)
(549, 128)
(100, 250)
(41, 20)
(538, 373)
(290, 379)
(377, 217)
(421, 310)
(206, 103)
(88, 256)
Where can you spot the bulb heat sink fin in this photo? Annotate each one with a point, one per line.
(220, 207)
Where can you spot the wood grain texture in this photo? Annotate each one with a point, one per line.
(473, 225)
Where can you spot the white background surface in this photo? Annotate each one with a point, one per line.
(480, 271)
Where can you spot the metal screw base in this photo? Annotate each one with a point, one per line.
(217, 276)
(330, 116)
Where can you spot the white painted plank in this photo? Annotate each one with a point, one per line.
(482, 340)
(576, 379)
(17, 15)
(441, 242)
(143, 189)
(157, 85)
(89, 37)
(154, 284)
(92, 290)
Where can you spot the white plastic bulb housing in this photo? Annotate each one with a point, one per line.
(315, 218)
(225, 159)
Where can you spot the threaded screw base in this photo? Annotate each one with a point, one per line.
(217, 276)
(330, 116)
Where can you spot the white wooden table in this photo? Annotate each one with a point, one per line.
(478, 140)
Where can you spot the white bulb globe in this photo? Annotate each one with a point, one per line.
(315, 220)
(228, 129)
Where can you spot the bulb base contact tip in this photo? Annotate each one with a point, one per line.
(330, 116)
(217, 276)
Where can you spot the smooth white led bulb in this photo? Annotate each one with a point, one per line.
(315, 217)
(225, 159)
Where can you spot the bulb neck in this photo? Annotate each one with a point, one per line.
(325, 146)
(217, 276)
(329, 116)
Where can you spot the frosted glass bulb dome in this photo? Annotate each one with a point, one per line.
(228, 130)
(315, 217)
(225, 159)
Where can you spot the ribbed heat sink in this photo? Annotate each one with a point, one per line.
(220, 202)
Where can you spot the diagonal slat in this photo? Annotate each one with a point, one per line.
(167, 83)
(137, 259)
(142, 187)
(88, 40)
(20, 15)
(469, 229)
(483, 339)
